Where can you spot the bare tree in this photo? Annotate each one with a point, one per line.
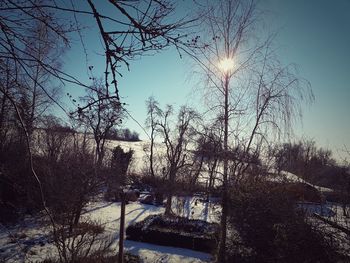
(141, 27)
(31, 40)
(33, 100)
(25, 46)
(7, 113)
(226, 25)
(133, 30)
(100, 114)
(255, 94)
(153, 112)
(176, 139)
(23, 83)
(54, 138)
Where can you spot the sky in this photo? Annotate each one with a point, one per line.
(314, 34)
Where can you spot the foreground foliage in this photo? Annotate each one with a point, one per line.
(267, 227)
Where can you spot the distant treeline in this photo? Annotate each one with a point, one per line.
(314, 164)
(114, 134)
(123, 135)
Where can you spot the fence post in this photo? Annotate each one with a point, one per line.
(121, 230)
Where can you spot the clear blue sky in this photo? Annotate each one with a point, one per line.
(314, 34)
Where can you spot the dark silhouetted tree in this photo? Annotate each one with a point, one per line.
(120, 162)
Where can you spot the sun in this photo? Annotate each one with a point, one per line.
(226, 64)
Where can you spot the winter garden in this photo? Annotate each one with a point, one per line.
(222, 180)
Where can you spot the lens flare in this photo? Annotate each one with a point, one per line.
(226, 64)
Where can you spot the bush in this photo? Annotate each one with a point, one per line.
(176, 231)
(82, 243)
(68, 184)
(272, 230)
(18, 189)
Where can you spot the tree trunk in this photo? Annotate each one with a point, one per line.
(151, 152)
(211, 179)
(222, 245)
(168, 210)
(77, 216)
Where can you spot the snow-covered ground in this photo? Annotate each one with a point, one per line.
(339, 217)
(284, 176)
(310, 208)
(30, 241)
